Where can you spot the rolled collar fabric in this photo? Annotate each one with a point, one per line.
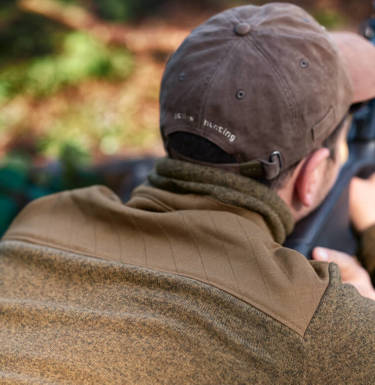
(184, 177)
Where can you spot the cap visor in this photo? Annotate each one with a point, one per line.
(359, 58)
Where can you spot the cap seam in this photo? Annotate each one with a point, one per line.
(275, 70)
(213, 77)
(284, 86)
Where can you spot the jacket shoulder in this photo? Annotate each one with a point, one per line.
(340, 339)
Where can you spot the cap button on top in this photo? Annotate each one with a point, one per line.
(242, 29)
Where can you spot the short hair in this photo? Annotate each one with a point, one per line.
(202, 150)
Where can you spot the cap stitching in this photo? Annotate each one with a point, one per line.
(213, 77)
(285, 89)
(316, 130)
(274, 68)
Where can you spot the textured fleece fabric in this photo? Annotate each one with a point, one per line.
(172, 289)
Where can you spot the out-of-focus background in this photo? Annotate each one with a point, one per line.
(79, 85)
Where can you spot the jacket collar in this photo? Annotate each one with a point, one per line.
(228, 188)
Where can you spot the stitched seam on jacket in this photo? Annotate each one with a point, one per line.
(290, 325)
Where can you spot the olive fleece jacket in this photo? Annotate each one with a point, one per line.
(186, 286)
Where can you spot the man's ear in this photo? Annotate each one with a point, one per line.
(310, 176)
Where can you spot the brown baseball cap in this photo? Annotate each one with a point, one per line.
(267, 84)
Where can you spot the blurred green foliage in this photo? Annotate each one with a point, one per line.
(80, 57)
(38, 58)
(119, 10)
(24, 35)
(330, 18)
(125, 10)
